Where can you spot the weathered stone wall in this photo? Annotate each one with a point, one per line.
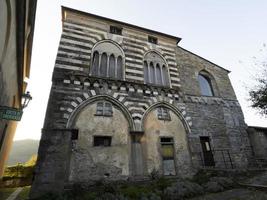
(52, 168)
(74, 93)
(154, 130)
(89, 162)
(189, 65)
(258, 141)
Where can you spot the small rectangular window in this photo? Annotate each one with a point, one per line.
(166, 140)
(163, 114)
(104, 109)
(115, 30)
(102, 141)
(152, 39)
(74, 134)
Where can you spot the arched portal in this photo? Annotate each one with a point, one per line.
(165, 141)
(102, 148)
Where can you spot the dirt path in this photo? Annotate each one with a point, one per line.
(14, 195)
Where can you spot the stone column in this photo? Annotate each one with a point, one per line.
(52, 168)
(108, 65)
(148, 71)
(99, 63)
(161, 72)
(116, 66)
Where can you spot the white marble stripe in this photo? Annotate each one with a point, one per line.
(76, 42)
(68, 67)
(139, 78)
(78, 55)
(134, 65)
(137, 115)
(71, 60)
(76, 36)
(85, 27)
(136, 108)
(74, 48)
(175, 79)
(134, 71)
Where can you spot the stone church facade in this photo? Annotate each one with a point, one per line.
(127, 102)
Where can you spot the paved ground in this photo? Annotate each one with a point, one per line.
(235, 194)
(260, 179)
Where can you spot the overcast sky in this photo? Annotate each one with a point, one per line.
(229, 33)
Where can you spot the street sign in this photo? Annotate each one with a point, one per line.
(10, 113)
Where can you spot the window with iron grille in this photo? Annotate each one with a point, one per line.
(115, 30)
(104, 109)
(152, 39)
(163, 114)
(104, 141)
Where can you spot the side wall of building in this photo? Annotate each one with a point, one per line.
(8, 75)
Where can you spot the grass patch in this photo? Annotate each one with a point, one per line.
(24, 194)
(6, 192)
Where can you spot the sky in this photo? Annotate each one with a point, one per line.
(230, 33)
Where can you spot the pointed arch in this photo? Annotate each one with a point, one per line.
(172, 108)
(93, 99)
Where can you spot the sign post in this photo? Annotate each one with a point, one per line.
(10, 113)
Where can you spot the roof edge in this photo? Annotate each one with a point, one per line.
(228, 71)
(63, 8)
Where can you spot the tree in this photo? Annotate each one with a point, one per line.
(258, 95)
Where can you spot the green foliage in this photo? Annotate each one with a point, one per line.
(258, 95)
(21, 170)
(134, 192)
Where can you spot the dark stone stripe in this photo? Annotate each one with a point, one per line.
(134, 62)
(133, 56)
(136, 37)
(135, 68)
(75, 45)
(72, 51)
(133, 51)
(133, 74)
(172, 65)
(133, 45)
(77, 39)
(176, 82)
(166, 50)
(171, 60)
(86, 25)
(173, 70)
(137, 111)
(70, 63)
(72, 57)
(135, 42)
(89, 34)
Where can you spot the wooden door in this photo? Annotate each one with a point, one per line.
(207, 152)
(167, 151)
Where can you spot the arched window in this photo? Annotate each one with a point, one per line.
(156, 72)
(103, 65)
(165, 76)
(205, 85)
(119, 68)
(152, 73)
(158, 75)
(146, 77)
(108, 60)
(95, 63)
(111, 66)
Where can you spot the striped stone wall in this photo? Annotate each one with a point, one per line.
(78, 38)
